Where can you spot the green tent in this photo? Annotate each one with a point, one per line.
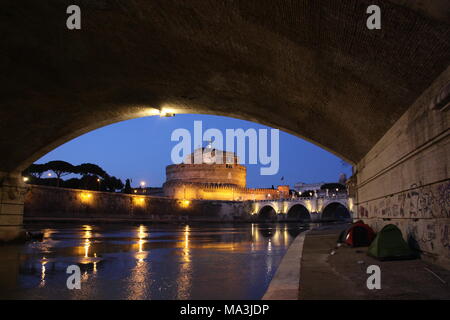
(389, 245)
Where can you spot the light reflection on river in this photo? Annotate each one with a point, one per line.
(147, 261)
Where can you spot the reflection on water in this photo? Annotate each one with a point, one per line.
(147, 262)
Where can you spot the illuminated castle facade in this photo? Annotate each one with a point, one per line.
(210, 174)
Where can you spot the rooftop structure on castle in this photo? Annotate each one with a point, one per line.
(209, 155)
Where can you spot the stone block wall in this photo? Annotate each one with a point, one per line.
(60, 203)
(404, 179)
(12, 193)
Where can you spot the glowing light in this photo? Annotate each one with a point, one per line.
(350, 204)
(184, 280)
(43, 262)
(25, 179)
(86, 197)
(255, 233)
(139, 201)
(186, 237)
(98, 180)
(167, 112)
(153, 112)
(142, 183)
(141, 234)
(286, 236)
(277, 236)
(185, 203)
(135, 191)
(87, 245)
(49, 174)
(87, 241)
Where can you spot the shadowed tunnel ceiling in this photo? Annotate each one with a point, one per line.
(311, 68)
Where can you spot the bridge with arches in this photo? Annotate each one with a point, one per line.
(313, 209)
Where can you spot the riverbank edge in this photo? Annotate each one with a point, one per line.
(286, 282)
(163, 220)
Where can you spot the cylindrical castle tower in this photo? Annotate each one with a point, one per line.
(205, 166)
(231, 174)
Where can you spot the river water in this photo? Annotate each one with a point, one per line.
(228, 261)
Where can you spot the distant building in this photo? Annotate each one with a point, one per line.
(323, 188)
(210, 174)
(302, 187)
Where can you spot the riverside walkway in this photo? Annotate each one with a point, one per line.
(322, 275)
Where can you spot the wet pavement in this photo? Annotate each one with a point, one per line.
(146, 261)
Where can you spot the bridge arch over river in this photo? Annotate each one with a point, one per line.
(335, 211)
(305, 209)
(376, 98)
(298, 212)
(293, 211)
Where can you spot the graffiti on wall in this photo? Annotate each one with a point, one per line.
(421, 213)
(432, 201)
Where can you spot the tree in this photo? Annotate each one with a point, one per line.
(89, 182)
(333, 186)
(90, 169)
(60, 169)
(307, 193)
(112, 184)
(73, 183)
(89, 172)
(127, 188)
(35, 170)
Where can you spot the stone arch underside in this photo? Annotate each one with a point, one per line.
(336, 211)
(298, 212)
(313, 70)
(267, 212)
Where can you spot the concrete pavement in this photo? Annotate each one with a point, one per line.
(314, 268)
(343, 275)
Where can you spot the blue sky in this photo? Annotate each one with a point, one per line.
(140, 149)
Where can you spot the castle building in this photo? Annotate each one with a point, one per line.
(210, 174)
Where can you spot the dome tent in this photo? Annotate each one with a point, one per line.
(358, 234)
(390, 245)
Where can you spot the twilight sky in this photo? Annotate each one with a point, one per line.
(140, 149)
